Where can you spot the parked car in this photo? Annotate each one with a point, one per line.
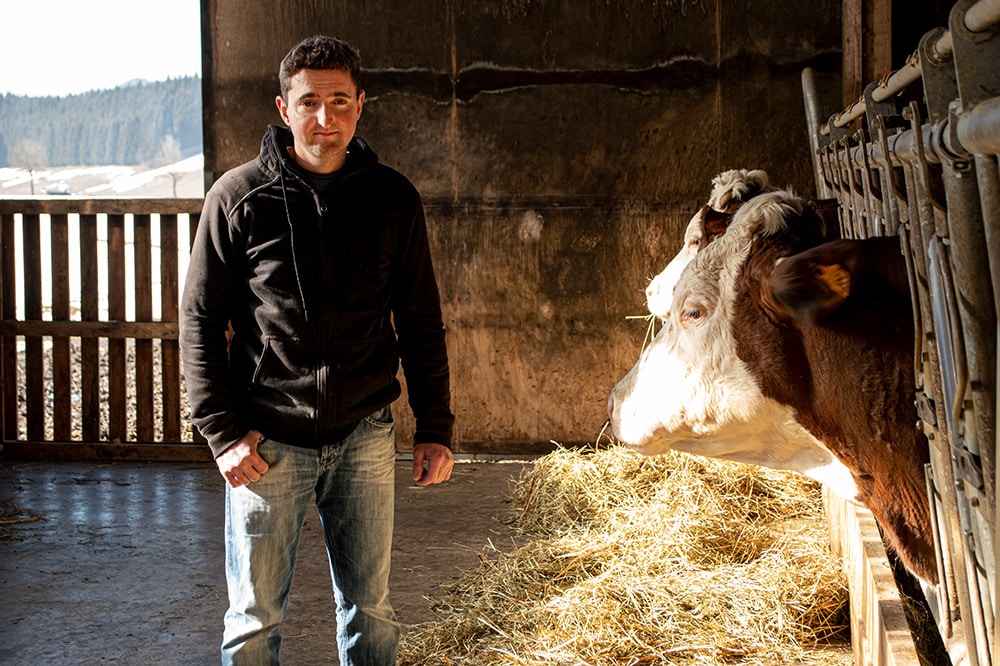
(59, 188)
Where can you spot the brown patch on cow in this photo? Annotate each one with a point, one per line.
(828, 210)
(848, 373)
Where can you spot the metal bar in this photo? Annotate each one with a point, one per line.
(979, 17)
(978, 132)
(814, 115)
(982, 15)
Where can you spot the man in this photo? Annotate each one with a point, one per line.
(317, 255)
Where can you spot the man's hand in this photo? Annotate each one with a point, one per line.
(239, 464)
(439, 464)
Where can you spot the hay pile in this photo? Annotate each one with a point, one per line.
(634, 560)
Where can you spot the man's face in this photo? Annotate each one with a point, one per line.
(322, 110)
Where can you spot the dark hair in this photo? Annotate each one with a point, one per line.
(320, 52)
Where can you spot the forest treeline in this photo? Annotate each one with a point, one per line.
(127, 125)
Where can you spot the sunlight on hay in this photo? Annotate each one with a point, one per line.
(626, 559)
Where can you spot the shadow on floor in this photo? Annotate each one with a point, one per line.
(124, 563)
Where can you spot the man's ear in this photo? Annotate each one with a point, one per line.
(815, 283)
(279, 102)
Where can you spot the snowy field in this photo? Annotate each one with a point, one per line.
(108, 181)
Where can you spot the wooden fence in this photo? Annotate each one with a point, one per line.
(89, 358)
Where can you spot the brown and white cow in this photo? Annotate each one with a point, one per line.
(782, 348)
(730, 189)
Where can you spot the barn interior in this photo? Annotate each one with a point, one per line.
(560, 150)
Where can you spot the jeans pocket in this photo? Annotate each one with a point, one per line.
(380, 418)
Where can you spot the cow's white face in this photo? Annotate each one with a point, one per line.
(729, 190)
(691, 392)
(660, 291)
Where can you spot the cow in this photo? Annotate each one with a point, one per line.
(788, 350)
(730, 189)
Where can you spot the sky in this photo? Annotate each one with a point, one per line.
(65, 47)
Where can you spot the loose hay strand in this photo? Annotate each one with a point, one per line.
(625, 559)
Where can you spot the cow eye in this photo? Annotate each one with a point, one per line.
(692, 313)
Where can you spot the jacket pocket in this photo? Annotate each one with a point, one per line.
(284, 380)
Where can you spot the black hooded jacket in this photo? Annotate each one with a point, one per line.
(326, 292)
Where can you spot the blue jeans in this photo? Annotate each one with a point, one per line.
(353, 482)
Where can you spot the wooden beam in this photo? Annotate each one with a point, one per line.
(113, 330)
(867, 45)
(108, 451)
(67, 205)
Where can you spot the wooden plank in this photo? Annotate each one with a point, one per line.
(878, 40)
(108, 451)
(501, 448)
(33, 359)
(143, 330)
(143, 277)
(62, 380)
(170, 372)
(123, 206)
(90, 368)
(8, 344)
(117, 349)
(852, 13)
(880, 633)
(867, 45)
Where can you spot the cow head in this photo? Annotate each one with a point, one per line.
(691, 392)
(730, 190)
(785, 350)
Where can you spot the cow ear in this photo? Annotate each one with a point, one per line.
(716, 223)
(812, 284)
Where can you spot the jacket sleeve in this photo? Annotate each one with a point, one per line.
(421, 333)
(205, 315)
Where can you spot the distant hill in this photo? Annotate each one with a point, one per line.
(122, 126)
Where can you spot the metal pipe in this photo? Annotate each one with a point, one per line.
(909, 73)
(979, 129)
(982, 15)
(978, 18)
(814, 115)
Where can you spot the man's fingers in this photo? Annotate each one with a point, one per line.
(241, 464)
(438, 469)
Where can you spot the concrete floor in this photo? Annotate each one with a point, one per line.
(124, 563)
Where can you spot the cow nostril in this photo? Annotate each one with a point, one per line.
(611, 407)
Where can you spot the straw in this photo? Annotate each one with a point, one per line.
(624, 559)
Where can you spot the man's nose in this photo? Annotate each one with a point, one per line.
(325, 115)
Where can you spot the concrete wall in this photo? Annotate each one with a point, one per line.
(560, 146)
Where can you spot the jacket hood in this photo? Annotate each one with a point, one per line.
(277, 139)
